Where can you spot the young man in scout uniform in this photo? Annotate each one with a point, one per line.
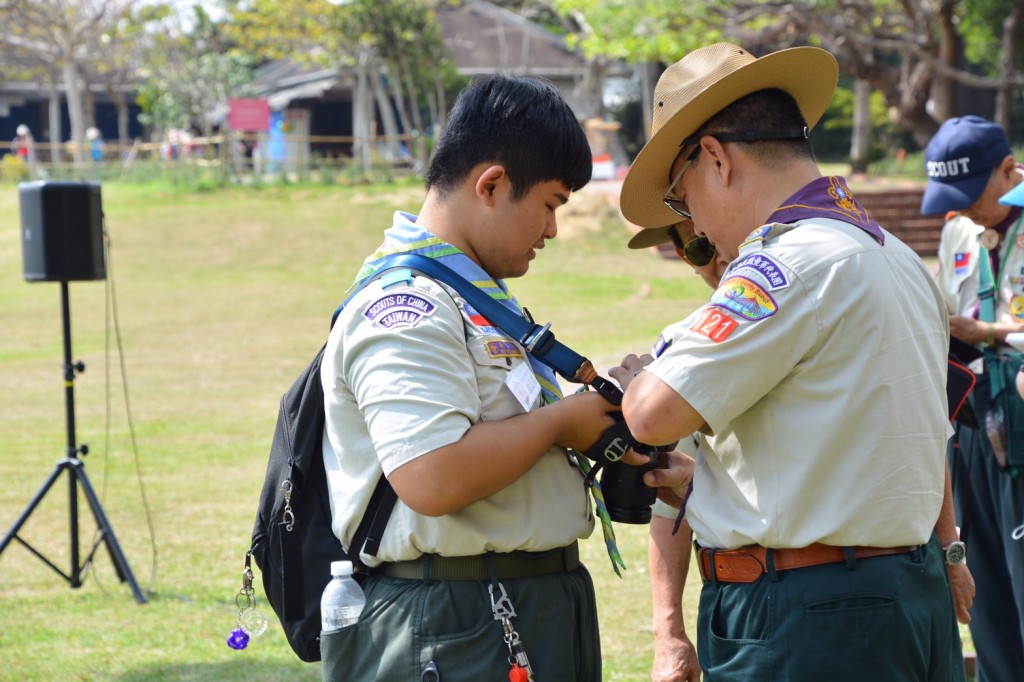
(468, 429)
(970, 166)
(824, 419)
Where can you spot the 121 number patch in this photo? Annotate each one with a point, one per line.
(715, 325)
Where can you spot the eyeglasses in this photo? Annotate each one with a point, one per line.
(674, 203)
(677, 205)
(698, 252)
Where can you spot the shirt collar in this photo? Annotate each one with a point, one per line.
(827, 197)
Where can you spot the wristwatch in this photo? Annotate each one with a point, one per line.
(956, 553)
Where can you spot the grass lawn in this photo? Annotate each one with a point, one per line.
(222, 297)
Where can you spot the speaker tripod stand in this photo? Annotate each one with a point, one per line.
(75, 469)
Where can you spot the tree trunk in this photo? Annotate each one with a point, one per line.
(1011, 26)
(56, 134)
(591, 89)
(387, 115)
(72, 90)
(644, 69)
(395, 80)
(417, 120)
(360, 114)
(440, 116)
(861, 140)
(943, 89)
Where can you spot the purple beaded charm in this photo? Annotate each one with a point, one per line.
(238, 639)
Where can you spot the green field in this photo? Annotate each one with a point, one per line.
(222, 297)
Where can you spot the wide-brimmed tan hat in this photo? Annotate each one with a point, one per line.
(654, 236)
(696, 88)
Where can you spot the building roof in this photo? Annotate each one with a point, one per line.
(485, 38)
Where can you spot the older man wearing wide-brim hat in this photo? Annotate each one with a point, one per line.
(818, 500)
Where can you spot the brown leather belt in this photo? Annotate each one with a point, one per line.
(506, 566)
(747, 564)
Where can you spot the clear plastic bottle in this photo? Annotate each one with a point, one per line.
(343, 599)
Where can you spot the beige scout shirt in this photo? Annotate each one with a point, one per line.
(406, 371)
(959, 276)
(819, 366)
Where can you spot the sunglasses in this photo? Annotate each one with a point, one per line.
(677, 205)
(698, 252)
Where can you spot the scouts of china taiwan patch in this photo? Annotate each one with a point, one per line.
(399, 310)
(744, 297)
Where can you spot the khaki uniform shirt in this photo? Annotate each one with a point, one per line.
(819, 367)
(959, 275)
(409, 369)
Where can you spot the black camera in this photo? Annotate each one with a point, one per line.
(626, 496)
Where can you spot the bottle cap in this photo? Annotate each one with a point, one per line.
(341, 568)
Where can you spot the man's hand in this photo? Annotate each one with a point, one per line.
(961, 584)
(630, 366)
(675, 660)
(675, 476)
(580, 419)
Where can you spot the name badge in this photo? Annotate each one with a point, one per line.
(524, 385)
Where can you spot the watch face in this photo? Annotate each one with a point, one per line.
(956, 553)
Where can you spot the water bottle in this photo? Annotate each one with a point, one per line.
(343, 599)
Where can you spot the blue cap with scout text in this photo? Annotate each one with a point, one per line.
(959, 160)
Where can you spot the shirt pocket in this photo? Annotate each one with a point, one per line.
(494, 358)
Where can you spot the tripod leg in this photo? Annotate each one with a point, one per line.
(120, 562)
(63, 464)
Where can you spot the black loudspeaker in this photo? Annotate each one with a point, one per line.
(61, 231)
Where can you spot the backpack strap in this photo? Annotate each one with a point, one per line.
(370, 532)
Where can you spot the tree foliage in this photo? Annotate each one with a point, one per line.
(402, 36)
(73, 42)
(190, 67)
(911, 51)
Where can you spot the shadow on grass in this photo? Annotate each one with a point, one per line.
(243, 669)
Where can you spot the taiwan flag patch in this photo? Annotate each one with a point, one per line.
(961, 262)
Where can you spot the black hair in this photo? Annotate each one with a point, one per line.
(519, 122)
(763, 111)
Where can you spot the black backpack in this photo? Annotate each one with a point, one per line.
(292, 541)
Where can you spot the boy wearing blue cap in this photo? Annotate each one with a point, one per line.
(970, 167)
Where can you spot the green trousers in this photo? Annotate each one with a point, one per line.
(408, 625)
(884, 619)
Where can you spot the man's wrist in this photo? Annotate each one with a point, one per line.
(990, 334)
(955, 553)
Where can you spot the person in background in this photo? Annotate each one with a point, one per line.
(24, 146)
(1015, 197)
(970, 166)
(92, 135)
(821, 482)
(670, 546)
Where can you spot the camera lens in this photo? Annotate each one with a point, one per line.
(626, 496)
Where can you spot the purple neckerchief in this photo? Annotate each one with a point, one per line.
(827, 198)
